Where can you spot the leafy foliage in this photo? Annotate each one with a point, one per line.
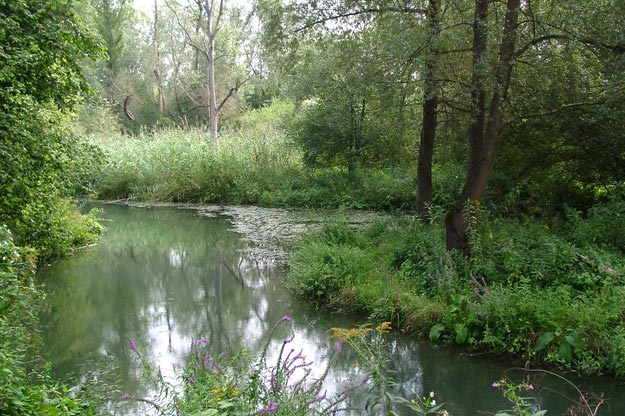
(41, 46)
(400, 271)
(23, 391)
(41, 43)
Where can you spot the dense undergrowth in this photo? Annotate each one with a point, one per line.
(546, 294)
(182, 166)
(26, 385)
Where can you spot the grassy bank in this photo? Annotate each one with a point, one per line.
(548, 296)
(256, 164)
(184, 167)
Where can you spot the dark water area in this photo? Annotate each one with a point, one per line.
(164, 277)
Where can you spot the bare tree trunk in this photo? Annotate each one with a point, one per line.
(211, 32)
(157, 67)
(212, 100)
(430, 108)
(483, 140)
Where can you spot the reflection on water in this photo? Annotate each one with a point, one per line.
(164, 277)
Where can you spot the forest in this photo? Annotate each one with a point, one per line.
(492, 131)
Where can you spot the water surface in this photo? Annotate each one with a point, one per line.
(164, 277)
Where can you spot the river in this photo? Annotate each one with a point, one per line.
(163, 277)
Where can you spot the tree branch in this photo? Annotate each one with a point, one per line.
(221, 9)
(236, 87)
(360, 12)
(585, 41)
(563, 107)
(184, 29)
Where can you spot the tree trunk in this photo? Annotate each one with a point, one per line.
(430, 108)
(211, 32)
(212, 100)
(157, 68)
(483, 140)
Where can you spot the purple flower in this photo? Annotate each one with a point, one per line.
(271, 408)
(287, 340)
(321, 397)
(286, 319)
(126, 397)
(201, 341)
(530, 387)
(133, 346)
(339, 346)
(495, 385)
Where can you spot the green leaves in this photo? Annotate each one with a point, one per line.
(565, 344)
(41, 43)
(543, 341)
(436, 331)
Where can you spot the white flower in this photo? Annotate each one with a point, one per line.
(431, 395)
(433, 402)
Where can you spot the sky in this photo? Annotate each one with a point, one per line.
(147, 6)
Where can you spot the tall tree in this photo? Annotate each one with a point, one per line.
(157, 64)
(213, 20)
(219, 22)
(430, 109)
(486, 124)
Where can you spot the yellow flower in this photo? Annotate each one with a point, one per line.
(383, 328)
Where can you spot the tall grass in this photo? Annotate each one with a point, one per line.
(255, 162)
(243, 168)
(177, 165)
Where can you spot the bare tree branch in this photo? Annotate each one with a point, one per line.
(360, 12)
(560, 109)
(233, 90)
(184, 29)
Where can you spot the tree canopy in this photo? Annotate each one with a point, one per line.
(42, 45)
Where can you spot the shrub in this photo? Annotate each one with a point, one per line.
(603, 225)
(525, 291)
(23, 391)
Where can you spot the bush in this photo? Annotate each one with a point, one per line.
(26, 392)
(604, 224)
(525, 291)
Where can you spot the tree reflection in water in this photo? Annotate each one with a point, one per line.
(164, 277)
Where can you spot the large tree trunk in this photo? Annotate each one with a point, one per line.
(430, 108)
(483, 140)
